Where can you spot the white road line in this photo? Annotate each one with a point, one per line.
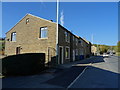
(77, 78)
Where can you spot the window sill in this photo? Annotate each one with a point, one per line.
(13, 41)
(67, 58)
(68, 41)
(42, 38)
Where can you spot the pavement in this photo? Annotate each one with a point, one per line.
(94, 72)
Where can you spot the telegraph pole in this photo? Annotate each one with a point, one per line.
(57, 47)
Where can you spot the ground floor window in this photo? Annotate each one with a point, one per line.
(67, 53)
(81, 51)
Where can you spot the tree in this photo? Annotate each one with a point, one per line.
(118, 45)
(103, 48)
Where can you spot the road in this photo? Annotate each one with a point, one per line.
(97, 72)
(103, 74)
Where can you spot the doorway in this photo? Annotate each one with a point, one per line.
(17, 50)
(60, 54)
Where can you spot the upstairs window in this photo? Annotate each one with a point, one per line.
(76, 52)
(43, 32)
(13, 36)
(79, 41)
(67, 36)
(73, 38)
(76, 41)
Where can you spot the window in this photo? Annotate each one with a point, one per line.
(81, 51)
(79, 41)
(13, 36)
(73, 38)
(76, 41)
(67, 53)
(27, 21)
(43, 32)
(67, 36)
(76, 51)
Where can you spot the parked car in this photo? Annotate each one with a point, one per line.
(105, 55)
(111, 54)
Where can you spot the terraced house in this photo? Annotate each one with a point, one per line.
(33, 34)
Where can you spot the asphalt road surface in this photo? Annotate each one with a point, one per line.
(103, 73)
(97, 72)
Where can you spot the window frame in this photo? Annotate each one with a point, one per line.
(12, 37)
(68, 52)
(67, 36)
(41, 31)
(76, 52)
(81, 42)
(73, 38)
(76, 41)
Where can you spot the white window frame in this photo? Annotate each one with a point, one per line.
(41, 33)
(12, 37)
(76, 52)
(81, 42)
(68, 52)
(81, 51)
(76, 41)
(67, 36)
(73, 38)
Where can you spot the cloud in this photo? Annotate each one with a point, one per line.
(62, 18)
(42, 3)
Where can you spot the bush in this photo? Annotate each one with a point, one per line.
(2, 52)
(23, 64)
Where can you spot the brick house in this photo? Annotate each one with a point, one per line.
(33, 34)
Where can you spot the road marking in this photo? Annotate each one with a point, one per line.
(77, 78)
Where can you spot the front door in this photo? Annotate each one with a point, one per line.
(18, 50)
(60, 55)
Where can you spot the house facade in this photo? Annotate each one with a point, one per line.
(36, 35)
(94, 50)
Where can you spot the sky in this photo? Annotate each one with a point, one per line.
(0, 19)
(12, 12)
(97, 20)
(85, 19)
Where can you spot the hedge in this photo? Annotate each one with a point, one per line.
(23, 64)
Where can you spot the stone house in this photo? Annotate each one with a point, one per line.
(94, 50)
(33, 34)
